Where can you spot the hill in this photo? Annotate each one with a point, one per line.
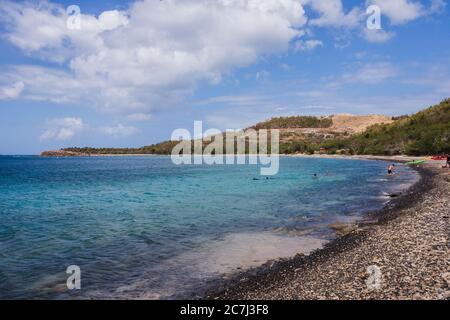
(424, 133)
(162, 148)
(297, 134)
(295, 122)
(309, 140)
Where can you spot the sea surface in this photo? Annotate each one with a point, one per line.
(142, 227)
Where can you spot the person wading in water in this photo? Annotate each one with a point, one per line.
(391, 169)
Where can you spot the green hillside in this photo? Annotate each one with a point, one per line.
(295, 122)
(424, 133)
(162, 148)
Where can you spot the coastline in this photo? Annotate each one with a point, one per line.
(400, 158)
(408, 241)
(292, 278)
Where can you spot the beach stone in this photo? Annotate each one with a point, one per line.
(343, 229)
(446, 277)
(417, 296)
(446, 294)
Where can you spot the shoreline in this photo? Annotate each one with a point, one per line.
(309, 276)
(397, 158)
(339, 269)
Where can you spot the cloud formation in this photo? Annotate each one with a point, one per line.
(139, 117)
(377, 36)
(331, 13)
(400, 11)
(62, 128)
(367, 73)
(118, 130)
(150, 55)
(156, 53)
(11, 91)
(307, 45)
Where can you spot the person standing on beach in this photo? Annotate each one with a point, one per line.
(447, 163)
(391, 169)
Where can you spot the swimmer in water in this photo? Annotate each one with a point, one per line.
(391, 169)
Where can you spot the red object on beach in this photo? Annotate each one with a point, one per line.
(439, 158)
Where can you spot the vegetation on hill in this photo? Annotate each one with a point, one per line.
(295, 122)
(166, 147)
(162, 148)
(424, 133)
(298, 147)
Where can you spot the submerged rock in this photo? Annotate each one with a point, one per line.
(342, 229)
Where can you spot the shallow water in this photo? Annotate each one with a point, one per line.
(141, 227)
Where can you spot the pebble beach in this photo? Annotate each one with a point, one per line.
(401, 252)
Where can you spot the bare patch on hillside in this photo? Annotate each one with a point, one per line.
(357, 124)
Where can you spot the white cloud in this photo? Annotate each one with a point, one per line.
(152, 54)
(118, 130)
(62, 128)
(110, 20)
(377, 36)
(225, 120)
(139, 117)
(369, 73)
(52, 84)
(437, 6)
(241, 101)
(13, 91)
(307, 45)
(33, 29)
(400, 11)
(66, 128)
(332, 14)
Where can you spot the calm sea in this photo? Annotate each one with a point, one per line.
(141, 227)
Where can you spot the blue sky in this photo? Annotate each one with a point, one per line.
(135, 71)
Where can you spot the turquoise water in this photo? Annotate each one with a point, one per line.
(143, 227)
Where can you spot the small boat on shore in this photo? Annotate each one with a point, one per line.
(415, 162)
(439, 158)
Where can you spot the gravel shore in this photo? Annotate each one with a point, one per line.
(401, 252)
